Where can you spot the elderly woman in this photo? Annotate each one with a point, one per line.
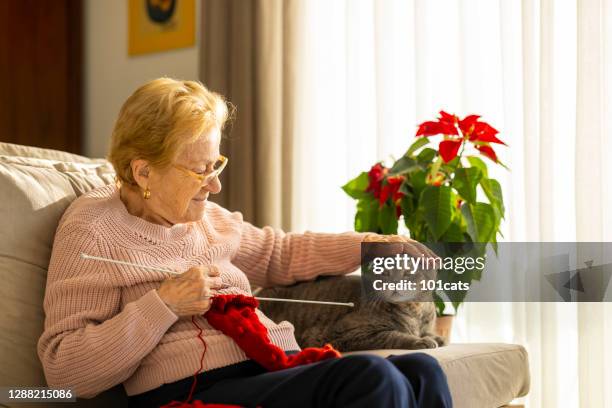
(108, 324)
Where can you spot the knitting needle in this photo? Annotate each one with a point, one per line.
(153, 268)
(319, 302)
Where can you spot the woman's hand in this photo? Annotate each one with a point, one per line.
(405, 245)
(190, 293)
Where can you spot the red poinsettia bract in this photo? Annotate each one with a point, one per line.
(458, 131)
(376, 175)
(383, 187)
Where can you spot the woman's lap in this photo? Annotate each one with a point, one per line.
(409, 380)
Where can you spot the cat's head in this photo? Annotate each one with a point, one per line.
(403, 285)
(395, 272)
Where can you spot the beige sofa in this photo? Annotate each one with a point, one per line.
(36, 186)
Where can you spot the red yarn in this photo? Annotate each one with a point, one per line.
(234, 316)
(195, 376)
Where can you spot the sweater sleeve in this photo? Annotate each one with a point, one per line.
(272, 257)
(88, 343)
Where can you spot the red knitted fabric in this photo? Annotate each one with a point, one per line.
(234, 316)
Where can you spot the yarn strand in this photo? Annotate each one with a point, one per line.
(195, 376)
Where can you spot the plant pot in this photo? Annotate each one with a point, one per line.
(444, 325)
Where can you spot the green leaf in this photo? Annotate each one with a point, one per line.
(435, 203)
(403, 165)
(457, 303)
(494, 246)
(406, 188)
(387, 219)
(357, 186)
(451, 165)
(366, 218)
(480, 218)
(407, 205)
(478, 163)
(465, 181)
(440, 305)
(454, 233)
(420, 142)
(426, 155)
(493, 191)
(458, 296)
(413, 219)
(417, 181)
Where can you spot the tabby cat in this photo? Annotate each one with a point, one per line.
(373, 323)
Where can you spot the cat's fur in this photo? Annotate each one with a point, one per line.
(372, 324)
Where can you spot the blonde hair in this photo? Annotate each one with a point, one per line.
(158, 119)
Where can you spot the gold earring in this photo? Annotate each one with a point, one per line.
(146, 194)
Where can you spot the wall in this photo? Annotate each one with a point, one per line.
(110, 75)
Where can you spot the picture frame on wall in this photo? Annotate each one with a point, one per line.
(160, 25)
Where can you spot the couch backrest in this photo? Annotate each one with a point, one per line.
(10, 149)
(36, 186)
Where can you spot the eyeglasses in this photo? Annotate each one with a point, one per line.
(208, 177)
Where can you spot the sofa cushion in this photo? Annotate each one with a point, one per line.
(486, 375)
(34, 194)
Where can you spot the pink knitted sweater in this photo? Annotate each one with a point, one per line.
(105, 323)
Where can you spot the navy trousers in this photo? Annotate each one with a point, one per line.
(409, 380)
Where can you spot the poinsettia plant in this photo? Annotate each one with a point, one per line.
(444, 195)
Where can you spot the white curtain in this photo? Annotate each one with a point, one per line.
(538, 70)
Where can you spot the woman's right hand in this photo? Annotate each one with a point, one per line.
(190, 293)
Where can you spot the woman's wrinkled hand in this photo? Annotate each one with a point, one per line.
(402, 245)
(191, 292)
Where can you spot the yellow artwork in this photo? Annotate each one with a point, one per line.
(159, 25)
